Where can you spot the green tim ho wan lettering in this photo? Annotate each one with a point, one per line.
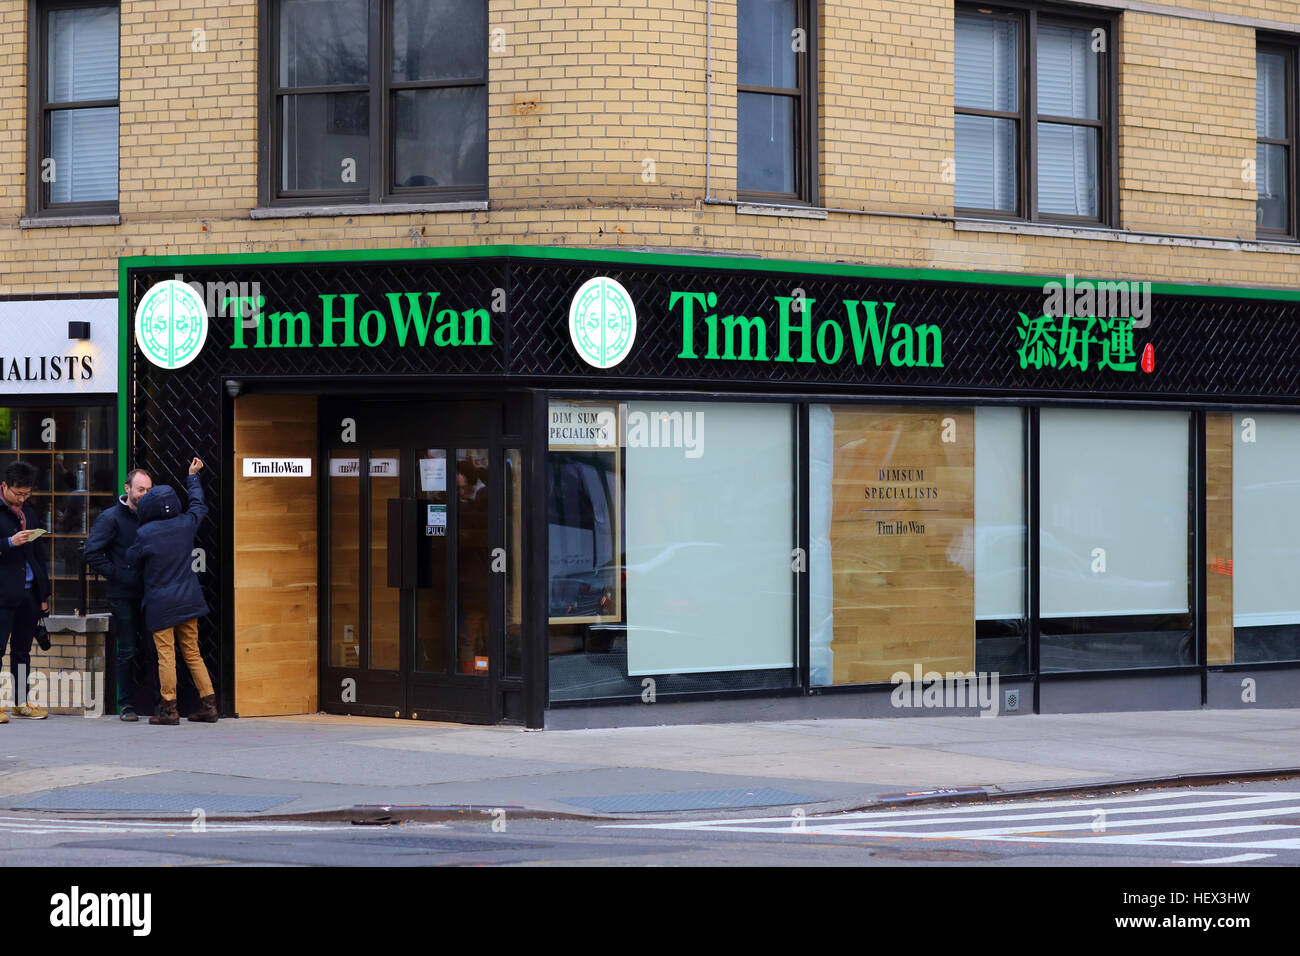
(340, 326)
(868, 331)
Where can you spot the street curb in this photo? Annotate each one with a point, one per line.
(994, 793)
(389, 814)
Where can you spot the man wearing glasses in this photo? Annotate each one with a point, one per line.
(24, 580)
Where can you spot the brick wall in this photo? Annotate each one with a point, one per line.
(582, 93)
(69, 654)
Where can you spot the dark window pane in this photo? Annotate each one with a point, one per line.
(987, 65)
(1270, 184)
(439, 40)
(1270, 96)
(82, 54)
(83, 146)
(986, 163)
(765, 156)
(323, 42)
(765, 45)
(325, 141)
(1068, 72)
(1067, 170)
(441, 137)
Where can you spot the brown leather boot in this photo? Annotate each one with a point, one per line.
(207, 712)
(166, 715)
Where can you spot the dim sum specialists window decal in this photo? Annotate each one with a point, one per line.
(1081, 342)
(585, 513)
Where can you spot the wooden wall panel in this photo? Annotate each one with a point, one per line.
(1218, 537)
(902, 567)
(275, 560)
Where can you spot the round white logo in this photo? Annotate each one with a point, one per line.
(602, 322)
(171, 324)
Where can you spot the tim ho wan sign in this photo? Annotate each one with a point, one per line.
(277, 467)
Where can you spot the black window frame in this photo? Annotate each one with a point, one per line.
(1289, 48)
(806, 191)
(39, 109)
(1028, 15)
(382, 90)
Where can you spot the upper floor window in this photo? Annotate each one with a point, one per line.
(1035, 124)
(376, 100)
(73, 140)
(775, 116)
(1275, 124)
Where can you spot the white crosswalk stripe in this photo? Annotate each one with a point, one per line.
(1182, 818)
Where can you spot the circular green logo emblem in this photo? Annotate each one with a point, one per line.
(602, 322)
(171, 324)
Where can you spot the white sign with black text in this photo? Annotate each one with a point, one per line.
(277, 467)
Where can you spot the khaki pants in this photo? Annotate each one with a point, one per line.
(188, 632)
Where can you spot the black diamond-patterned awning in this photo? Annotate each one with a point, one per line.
(1207, 348)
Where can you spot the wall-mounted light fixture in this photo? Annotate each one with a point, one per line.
(78, 330)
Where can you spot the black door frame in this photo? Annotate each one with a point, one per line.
(503, 420)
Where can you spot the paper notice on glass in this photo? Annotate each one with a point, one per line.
(433, 474)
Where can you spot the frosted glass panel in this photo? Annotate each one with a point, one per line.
(710, 527)
(1114, 512)
(999, 514)
(1266, 521)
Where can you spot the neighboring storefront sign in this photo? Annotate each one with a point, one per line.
(38, 356)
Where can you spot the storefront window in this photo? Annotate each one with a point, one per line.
(73, 448)
(671, 529)
(918, 542)
(1253, 537)
(1114, 544)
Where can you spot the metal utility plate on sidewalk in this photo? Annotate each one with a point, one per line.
(120, 800)
(692, 800)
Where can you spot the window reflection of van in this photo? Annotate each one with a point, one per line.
(581, 495)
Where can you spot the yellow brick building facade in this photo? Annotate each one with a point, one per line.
(614, 125)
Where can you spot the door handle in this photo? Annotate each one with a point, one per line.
(402, 555)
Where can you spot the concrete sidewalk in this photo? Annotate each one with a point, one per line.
(309, 765)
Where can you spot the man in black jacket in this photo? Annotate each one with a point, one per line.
(24, 580)
(173, 599)
(112, 533)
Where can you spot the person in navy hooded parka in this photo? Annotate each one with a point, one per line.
(173, 599)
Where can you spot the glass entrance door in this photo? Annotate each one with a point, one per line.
(420, 599)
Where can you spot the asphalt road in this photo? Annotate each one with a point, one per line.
(1238, 825)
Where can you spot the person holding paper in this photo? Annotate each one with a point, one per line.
(24, 579)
